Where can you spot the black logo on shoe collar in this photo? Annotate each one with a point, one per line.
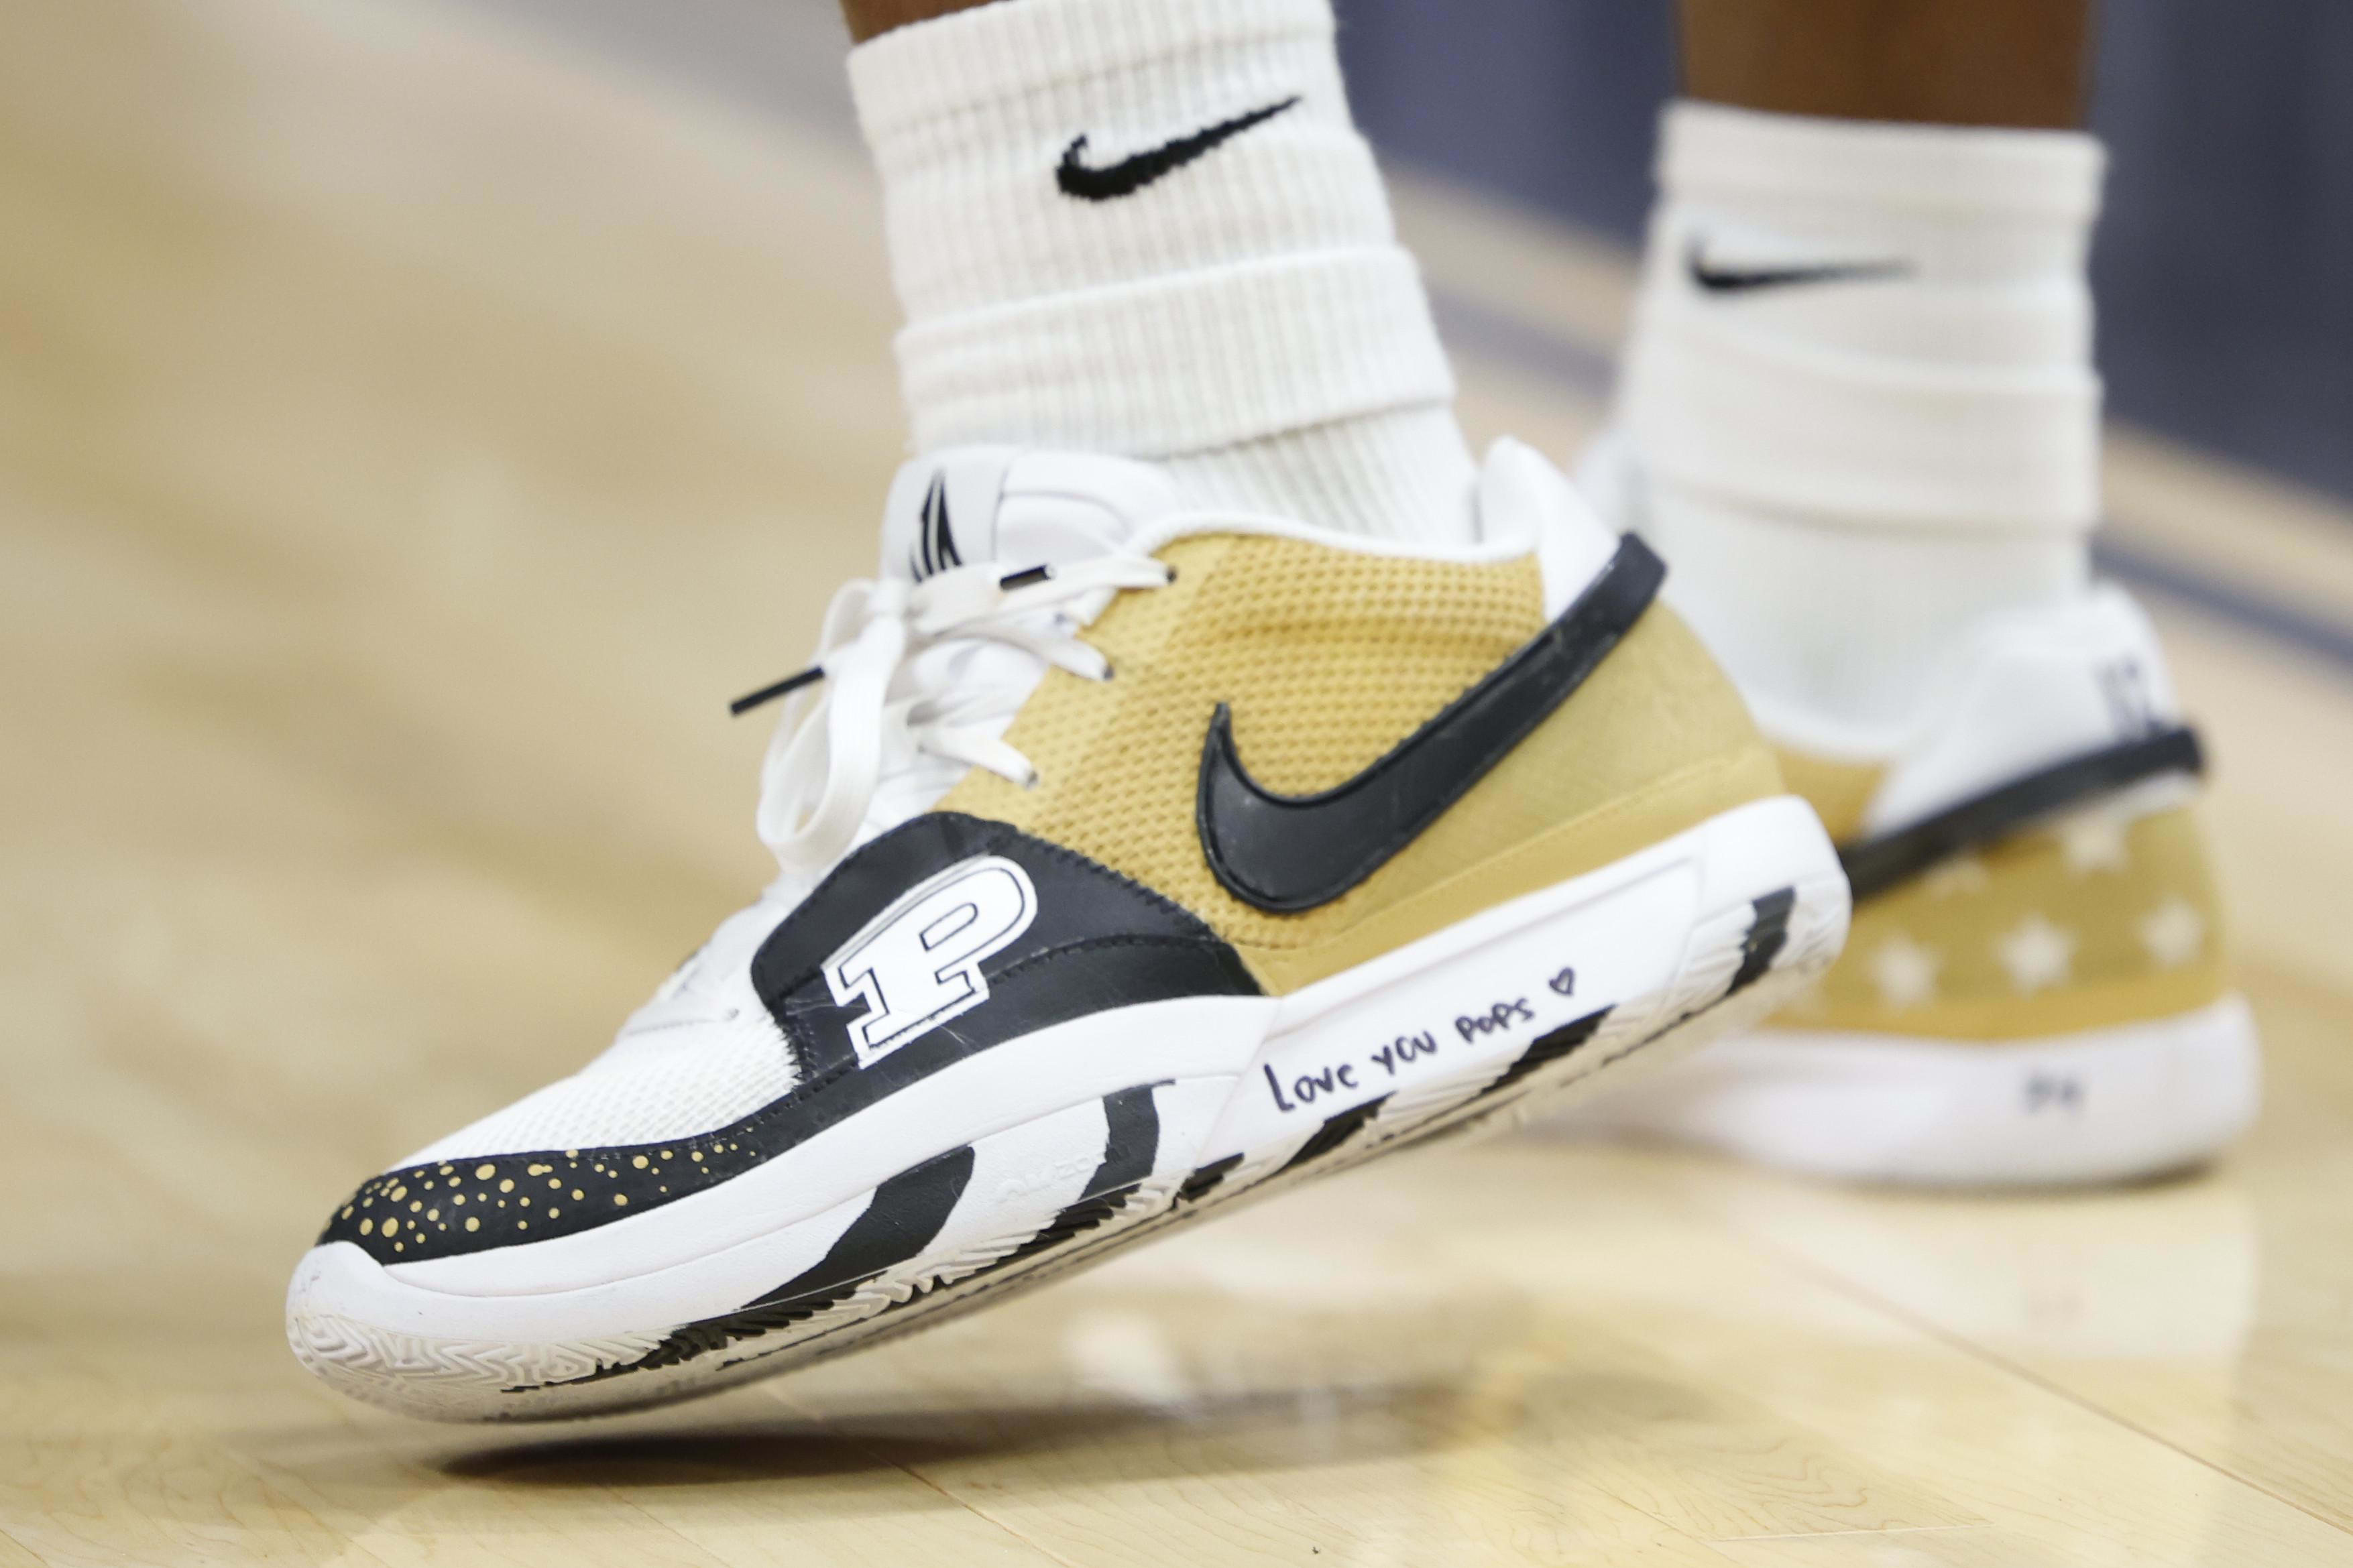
(1129, 175)
(1719, 279)
(1289, 853)
(935, 549)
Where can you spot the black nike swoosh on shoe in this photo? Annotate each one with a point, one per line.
(1886, 860)
(1129, 175)
(1288, 853)
(1717, 279)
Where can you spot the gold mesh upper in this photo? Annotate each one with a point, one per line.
(1328, 658)
(1839, 792)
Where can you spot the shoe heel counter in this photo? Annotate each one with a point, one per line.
(2036, 687)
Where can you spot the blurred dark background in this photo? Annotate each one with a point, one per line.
(2224, 267)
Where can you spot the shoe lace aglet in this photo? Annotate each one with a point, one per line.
(767, 694)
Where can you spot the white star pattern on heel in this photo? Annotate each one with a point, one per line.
(1961, 874)
(2095, 841)
(2037, 953)
(2173, 932)
(1905, 971)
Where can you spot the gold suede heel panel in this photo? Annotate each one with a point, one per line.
(2089, 922)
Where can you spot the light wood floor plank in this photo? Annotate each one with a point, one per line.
(1971, 1548)
(408, 440)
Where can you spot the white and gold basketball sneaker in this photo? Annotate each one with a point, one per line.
(1135, 861)
(2036, 990)
(1858, 412)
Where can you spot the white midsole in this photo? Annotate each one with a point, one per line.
(1053, 1069)
(1249, 1077)
(2096, 1105)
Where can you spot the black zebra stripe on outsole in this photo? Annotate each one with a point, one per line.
(905, 1215)
(1337, 1129)
(1205, 1180)
(1760, 944)
(1131, 1139)
(1768, 934)
(1548, 1050)
(1131, 1149)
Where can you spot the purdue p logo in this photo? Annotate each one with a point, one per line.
(917, 964)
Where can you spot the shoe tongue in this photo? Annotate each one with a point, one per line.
(1016, 509)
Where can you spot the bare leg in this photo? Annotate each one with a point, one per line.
(1943, 62)
(869, 19)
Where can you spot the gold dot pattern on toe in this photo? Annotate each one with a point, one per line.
(469, 1205)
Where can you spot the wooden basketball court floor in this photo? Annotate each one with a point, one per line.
(411, 435)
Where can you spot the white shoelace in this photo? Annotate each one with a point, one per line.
(915, 669)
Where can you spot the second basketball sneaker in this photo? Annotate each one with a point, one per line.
(2035, 990)
(1858, 412)
(1135, 861)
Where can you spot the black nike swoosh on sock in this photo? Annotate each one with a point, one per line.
(1131, 175)
(1718, 280)
(1288, 853)
(1886, 860)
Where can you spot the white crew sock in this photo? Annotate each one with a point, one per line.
(1247, 318)
(1847, 472)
